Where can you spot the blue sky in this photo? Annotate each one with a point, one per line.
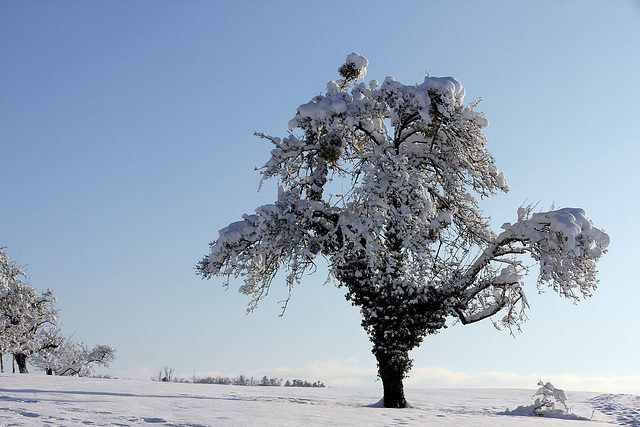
(126, 143)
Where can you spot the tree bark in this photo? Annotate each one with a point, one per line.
(392, 386)
(21, 360)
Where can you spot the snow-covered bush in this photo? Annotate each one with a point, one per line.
(544, 404)
(546, 398)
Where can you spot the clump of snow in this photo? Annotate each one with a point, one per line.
(354, 67)
(499, 176)
(322, 109)
(237, 231)
(359, 61)
(570, 223)
(449, 87)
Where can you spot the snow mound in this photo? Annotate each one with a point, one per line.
(529, 411)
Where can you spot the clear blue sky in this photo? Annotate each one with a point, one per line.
(126, 144)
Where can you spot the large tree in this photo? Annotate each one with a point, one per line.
(406, 239)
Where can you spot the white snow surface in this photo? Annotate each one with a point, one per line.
(37, 400)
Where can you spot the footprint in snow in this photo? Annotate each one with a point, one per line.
(625, 408)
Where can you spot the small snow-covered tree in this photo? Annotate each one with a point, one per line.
(406, 237)
(546, 398)
(71, 358)
(545, 404)
(26, 319)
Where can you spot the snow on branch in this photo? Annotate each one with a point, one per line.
(354, 67)
(565, 244)
(274, 238)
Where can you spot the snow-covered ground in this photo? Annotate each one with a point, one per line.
(38, 400)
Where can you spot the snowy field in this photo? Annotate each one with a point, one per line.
(38, 400)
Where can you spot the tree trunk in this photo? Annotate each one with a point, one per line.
(21, 360)
(391, 384)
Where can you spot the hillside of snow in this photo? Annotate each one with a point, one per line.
(37, 400)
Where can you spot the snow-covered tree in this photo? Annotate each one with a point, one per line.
(71, 358)
(406, 238)
(545, 403)
(26, 319)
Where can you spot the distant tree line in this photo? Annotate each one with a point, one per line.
(265, 382)
(166, 375)
(300, 383)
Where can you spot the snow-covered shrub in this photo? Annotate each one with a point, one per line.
(545, 402)
(546, 398)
